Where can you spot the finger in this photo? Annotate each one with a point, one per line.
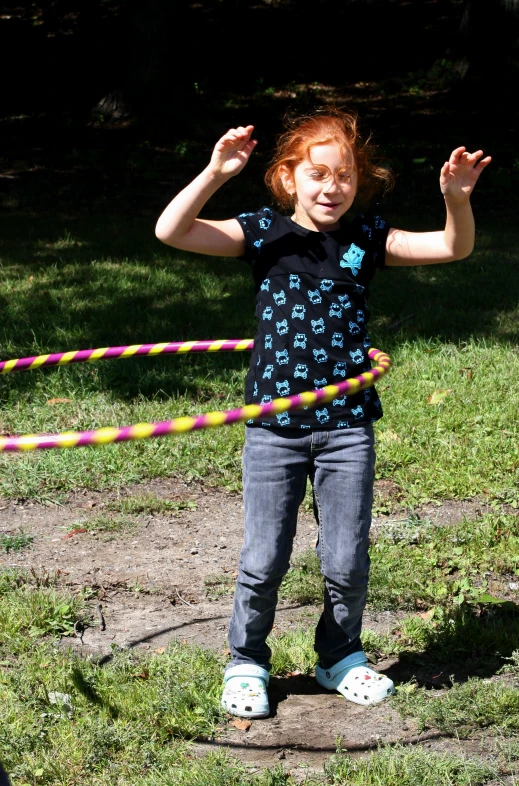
(480, 166)
(456, 154)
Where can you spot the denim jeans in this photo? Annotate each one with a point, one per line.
(276, 465)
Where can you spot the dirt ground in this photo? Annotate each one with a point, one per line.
(162, 581)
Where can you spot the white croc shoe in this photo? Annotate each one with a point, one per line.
(355, 681)
(245, 691)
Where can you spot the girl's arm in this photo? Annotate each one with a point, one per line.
(458, 177)
(179, 225)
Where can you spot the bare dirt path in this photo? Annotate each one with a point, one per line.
(169, 576)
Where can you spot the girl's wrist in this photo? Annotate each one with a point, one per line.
(215, 176)
(458, 202)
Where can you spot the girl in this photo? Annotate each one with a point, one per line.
(312, 264)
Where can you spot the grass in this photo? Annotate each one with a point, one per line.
(16, 542)
(418, 565)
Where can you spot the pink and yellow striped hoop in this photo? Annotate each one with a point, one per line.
(181, 425)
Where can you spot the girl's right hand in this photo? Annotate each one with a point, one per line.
(232, 151)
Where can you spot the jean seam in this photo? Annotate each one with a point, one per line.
(321, 532)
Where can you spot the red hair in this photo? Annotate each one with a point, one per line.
(326, 126)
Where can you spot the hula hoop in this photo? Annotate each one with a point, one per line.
(250, 412)
(133, 350)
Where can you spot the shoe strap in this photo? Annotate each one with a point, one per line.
(247, 670)
(347, 663)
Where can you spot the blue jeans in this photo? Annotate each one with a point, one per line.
(276, 465)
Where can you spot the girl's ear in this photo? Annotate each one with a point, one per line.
(287, 180)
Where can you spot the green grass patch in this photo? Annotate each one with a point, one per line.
(418, 565)
(467, 706)
(409, 766)
(292, 652)
(304, 582)
(28, 612)
(219, 585)
(16, 542)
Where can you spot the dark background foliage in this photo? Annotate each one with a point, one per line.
(120, 101)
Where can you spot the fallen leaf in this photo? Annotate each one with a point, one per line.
(438, 396)
(160, 650)
(241, 723)
(52, 401)
(77, 531)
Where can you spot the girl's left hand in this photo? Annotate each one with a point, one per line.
(460, 173)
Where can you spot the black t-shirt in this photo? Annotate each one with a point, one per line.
(312, 311)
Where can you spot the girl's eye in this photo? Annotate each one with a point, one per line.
(344, 176)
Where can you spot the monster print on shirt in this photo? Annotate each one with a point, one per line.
(312, 290)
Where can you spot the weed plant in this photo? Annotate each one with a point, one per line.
(16, 542)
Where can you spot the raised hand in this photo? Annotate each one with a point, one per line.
(460, 173)
(232, 151)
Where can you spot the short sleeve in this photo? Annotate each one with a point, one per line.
(375, 230)
(255, 227)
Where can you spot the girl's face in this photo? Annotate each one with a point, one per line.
(324, 187)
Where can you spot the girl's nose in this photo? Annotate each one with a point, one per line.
(331, 184)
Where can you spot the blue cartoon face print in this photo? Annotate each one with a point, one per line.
(298, 312)
(343, 424)
(268, 340)
(338, 340)
(322, 415)
(335, 310)
(265, 285)
(352, 259)
(357, 356)
(360, 317)
(339, 402)
(317, 325)
(282, 357)
(326, 285)
(283, 419)
(353, 328)
(320, 383)
(264, 223)
(295, 281)
(339, 370)
(344, 301)
(280, 298)
(320, 355)
(301, 370)
(300, 340)
(358, 412)
(267, 373)
(266, 400)
(282, 327)
(314, 296)
(283, 388)
(267, 313)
